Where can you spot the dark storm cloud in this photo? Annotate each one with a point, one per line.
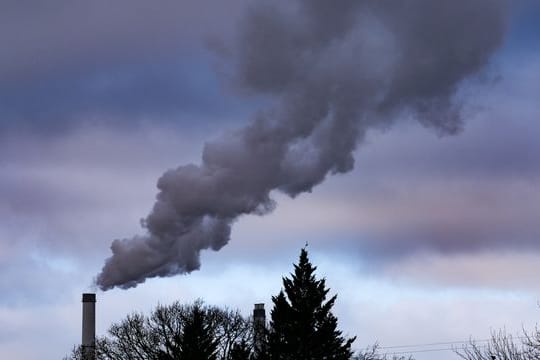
(525, 25)
(41, 37)
(63, 62)
(334, 72)
(122, 93)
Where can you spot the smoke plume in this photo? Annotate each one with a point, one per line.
(331, 70)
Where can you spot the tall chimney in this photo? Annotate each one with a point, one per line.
(259, 325)
(88, 345)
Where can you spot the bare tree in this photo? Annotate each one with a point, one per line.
(532, 343)
(232, 330)
(503, 346)
(373, 353)
(163, 334)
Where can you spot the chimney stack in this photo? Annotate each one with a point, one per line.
(88, 345)
(259, 325)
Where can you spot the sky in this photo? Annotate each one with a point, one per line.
(400, 142)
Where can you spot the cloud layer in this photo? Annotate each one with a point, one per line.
(78, 167)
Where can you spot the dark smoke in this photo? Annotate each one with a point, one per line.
(333, 70)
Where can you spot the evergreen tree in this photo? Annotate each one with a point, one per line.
(197, 341)
(302, 326)
(240, 351)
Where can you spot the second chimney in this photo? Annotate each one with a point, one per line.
(259, 325)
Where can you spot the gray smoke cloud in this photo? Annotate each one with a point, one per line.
(332, 70)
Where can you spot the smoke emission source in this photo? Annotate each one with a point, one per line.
(331, 71)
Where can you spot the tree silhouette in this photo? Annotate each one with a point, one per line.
(174, 332)
(241, 351)
(302, 326)
(197, 341)
(503, 346)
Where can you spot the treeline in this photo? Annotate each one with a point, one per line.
(301, 326)
(176, 331)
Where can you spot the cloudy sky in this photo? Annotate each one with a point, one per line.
(401, 142)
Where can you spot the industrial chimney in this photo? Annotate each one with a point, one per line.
(88, 344)
(259, 325)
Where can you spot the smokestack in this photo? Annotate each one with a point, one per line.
(88, 344)
(259, 325)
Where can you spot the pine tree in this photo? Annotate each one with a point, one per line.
(302, 326)
(197, 341)
(240, 351)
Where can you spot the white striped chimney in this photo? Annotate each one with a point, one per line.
(88, 347)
